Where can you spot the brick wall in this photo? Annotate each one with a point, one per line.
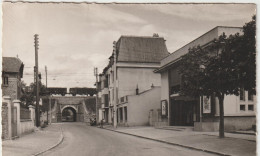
(4, 120)
(12, 88)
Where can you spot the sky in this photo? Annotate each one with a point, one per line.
(75, 38)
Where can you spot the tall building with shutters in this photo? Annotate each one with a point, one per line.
(130, 72)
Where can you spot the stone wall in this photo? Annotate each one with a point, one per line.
(80, 114)
(4, 121)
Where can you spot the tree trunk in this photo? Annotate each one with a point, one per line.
(221, 116)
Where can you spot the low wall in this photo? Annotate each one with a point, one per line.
(206, 126)
(27, 126)
(139, 106)
(231, 123)
(234, 123)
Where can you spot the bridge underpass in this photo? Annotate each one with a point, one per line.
(69, 114)
(70, 108)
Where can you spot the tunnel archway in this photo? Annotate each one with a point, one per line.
(69, 114)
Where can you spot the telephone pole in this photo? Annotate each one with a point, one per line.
(46, 75)
(46, 94)
(36, 46)
(96, 74)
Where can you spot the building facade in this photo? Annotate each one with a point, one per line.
(12, 72)
(239, 112)
(130, 68)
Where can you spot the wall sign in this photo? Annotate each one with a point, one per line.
(164, 108)
(206, 104)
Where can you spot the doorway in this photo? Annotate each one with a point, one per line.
(184, 113)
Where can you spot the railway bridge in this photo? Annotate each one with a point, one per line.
(70, 108)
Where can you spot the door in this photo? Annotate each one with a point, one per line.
(183, 113)
(176, 112)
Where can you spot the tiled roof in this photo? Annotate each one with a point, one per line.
(11, 64)
(141, 49)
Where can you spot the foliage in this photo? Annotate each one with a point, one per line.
(221, 68)
(28, 98)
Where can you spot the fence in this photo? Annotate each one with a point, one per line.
(16, 121)
(25, 113)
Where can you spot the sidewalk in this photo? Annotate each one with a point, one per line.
(233, 144)
(33, 143)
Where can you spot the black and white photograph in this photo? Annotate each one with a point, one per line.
(128, 79)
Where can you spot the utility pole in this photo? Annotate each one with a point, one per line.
(49, 97)
(97, 111)
(36, 45)
(50, 107)
(46, 75)
(115, 87)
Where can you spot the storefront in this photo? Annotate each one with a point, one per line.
(183, 113)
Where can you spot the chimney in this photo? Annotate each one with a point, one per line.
(137, 90)
(155, 35)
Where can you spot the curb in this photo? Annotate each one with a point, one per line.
(55, 145)
(170, 143)
(243, 133)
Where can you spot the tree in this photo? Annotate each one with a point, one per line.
(221, 68)
(28, 98)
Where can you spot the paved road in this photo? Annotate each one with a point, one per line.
(82, 140)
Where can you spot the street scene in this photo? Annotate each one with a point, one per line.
(116, 79)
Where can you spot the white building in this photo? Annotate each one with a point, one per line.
(239, 111)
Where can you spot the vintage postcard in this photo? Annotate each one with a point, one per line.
(128, 79)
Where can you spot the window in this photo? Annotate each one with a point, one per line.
(125, 113)
(246, 101)
(242, 94)
(251, 107)
(242, 108)
(109, 96)
(250, 96)
(5, 80)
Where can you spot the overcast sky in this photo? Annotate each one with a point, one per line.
(75, 38)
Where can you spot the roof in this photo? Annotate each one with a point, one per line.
(12, 64)
(141, 49)
(201, 40)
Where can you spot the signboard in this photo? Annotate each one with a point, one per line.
(206, 104)
(164, 108)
